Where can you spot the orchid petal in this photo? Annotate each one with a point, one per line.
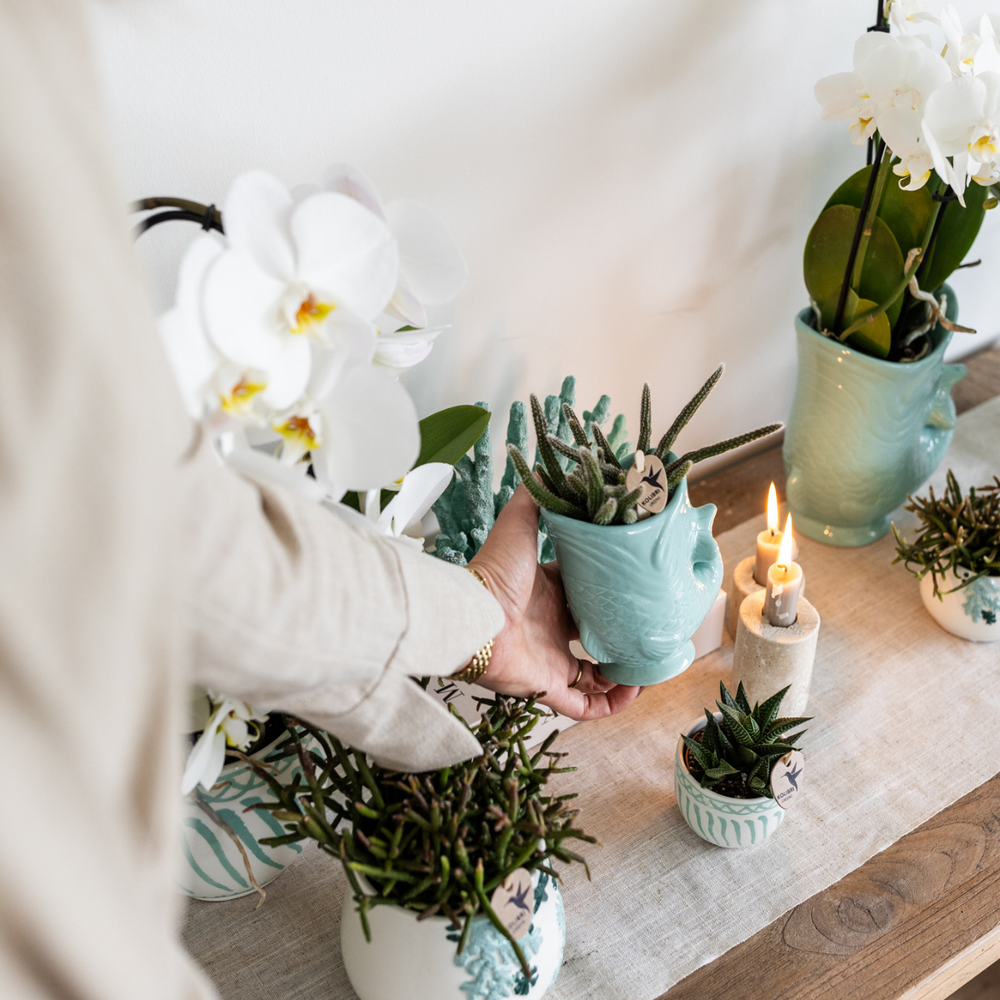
(267, 472)
(421, 488)
(370, 431)
(342, 178)
(200, 759)
(406, 306)
(241, 309)
(288, 372)
(346, 253)
(256, 218)
(216, 761)
(351, 342)
(404, 349)
(430, 261)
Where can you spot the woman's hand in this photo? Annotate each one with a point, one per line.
(532, 652)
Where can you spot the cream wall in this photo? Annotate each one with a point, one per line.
(632, 181)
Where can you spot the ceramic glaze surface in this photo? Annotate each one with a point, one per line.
(716, 818)
(863, 433)
(638, 592)
(409, 959)
(214, 868)
(973, 612)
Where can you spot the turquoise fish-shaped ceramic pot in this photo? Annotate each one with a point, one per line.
(638, 592)
(863, 433)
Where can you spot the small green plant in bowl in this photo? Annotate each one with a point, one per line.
(956, 556)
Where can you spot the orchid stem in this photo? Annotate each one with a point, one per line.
(882, 174)
(184, 211)
(846, 284)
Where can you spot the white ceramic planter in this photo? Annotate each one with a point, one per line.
(214, 868)
(408, 959)
(970, 613)
(717, 818)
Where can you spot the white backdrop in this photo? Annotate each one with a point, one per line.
(632, 181)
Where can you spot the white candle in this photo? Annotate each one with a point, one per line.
(785, 580)
(769, 541)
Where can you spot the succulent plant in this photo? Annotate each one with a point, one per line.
(439, 842)
(467, 509)
(735, 756)
(595, 489)
(955, 531)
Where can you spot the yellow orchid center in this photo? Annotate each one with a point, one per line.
(311, 312)
(239, 398)
(298, 431)
(984, 148)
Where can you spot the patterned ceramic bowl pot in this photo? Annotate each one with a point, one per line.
(971, 612)
(214, 868)
(717, 818)
(408, 959)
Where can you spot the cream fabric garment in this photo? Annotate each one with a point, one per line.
(123, 568)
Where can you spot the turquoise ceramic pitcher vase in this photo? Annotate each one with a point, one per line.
(863, 433)
(638, 592)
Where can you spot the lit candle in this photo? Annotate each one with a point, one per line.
(785, 580)
(769, 541)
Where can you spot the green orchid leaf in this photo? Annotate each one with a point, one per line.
(955, 236)
(906, 213)
(825, 260)
(873, 338)
(447, 435)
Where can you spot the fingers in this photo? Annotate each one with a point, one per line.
(591, 681)
(584, 706)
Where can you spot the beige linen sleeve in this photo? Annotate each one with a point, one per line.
(291, 608)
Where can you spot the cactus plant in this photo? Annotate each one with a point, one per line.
(735, 757)
(434, 843)
(468, 507)
(595, 489)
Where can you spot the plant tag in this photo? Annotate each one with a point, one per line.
(653, 481)
(786, 777)
(513, 901)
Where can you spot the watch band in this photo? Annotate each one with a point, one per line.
(479, 663)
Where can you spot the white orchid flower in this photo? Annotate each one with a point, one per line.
(293, 275)
(960, 46)
(232, 723)
(962, 120)
(901, 129)
(418, 491)
(889, 72)
(904, 13)
(432, 269)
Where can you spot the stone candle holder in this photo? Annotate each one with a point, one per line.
(743, 586)
(768, 658)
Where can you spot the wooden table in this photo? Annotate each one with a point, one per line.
(916, 921)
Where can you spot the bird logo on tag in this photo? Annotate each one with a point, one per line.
(652, 479)
(786, 775)
(513, 902)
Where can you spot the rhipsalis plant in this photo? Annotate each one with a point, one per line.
(439, 842)
(591, 487)
(735, 757)
(955, 531)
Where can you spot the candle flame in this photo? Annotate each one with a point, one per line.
(772, 510)
(784, 559)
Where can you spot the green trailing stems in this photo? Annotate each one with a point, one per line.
(955, 532)
(437, 842)
(683, 418)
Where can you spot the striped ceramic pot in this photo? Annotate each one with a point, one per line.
(214, 869)
(717, 818)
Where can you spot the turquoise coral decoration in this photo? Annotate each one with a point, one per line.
(468, 508)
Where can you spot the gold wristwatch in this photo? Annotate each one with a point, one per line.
(481, 661)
